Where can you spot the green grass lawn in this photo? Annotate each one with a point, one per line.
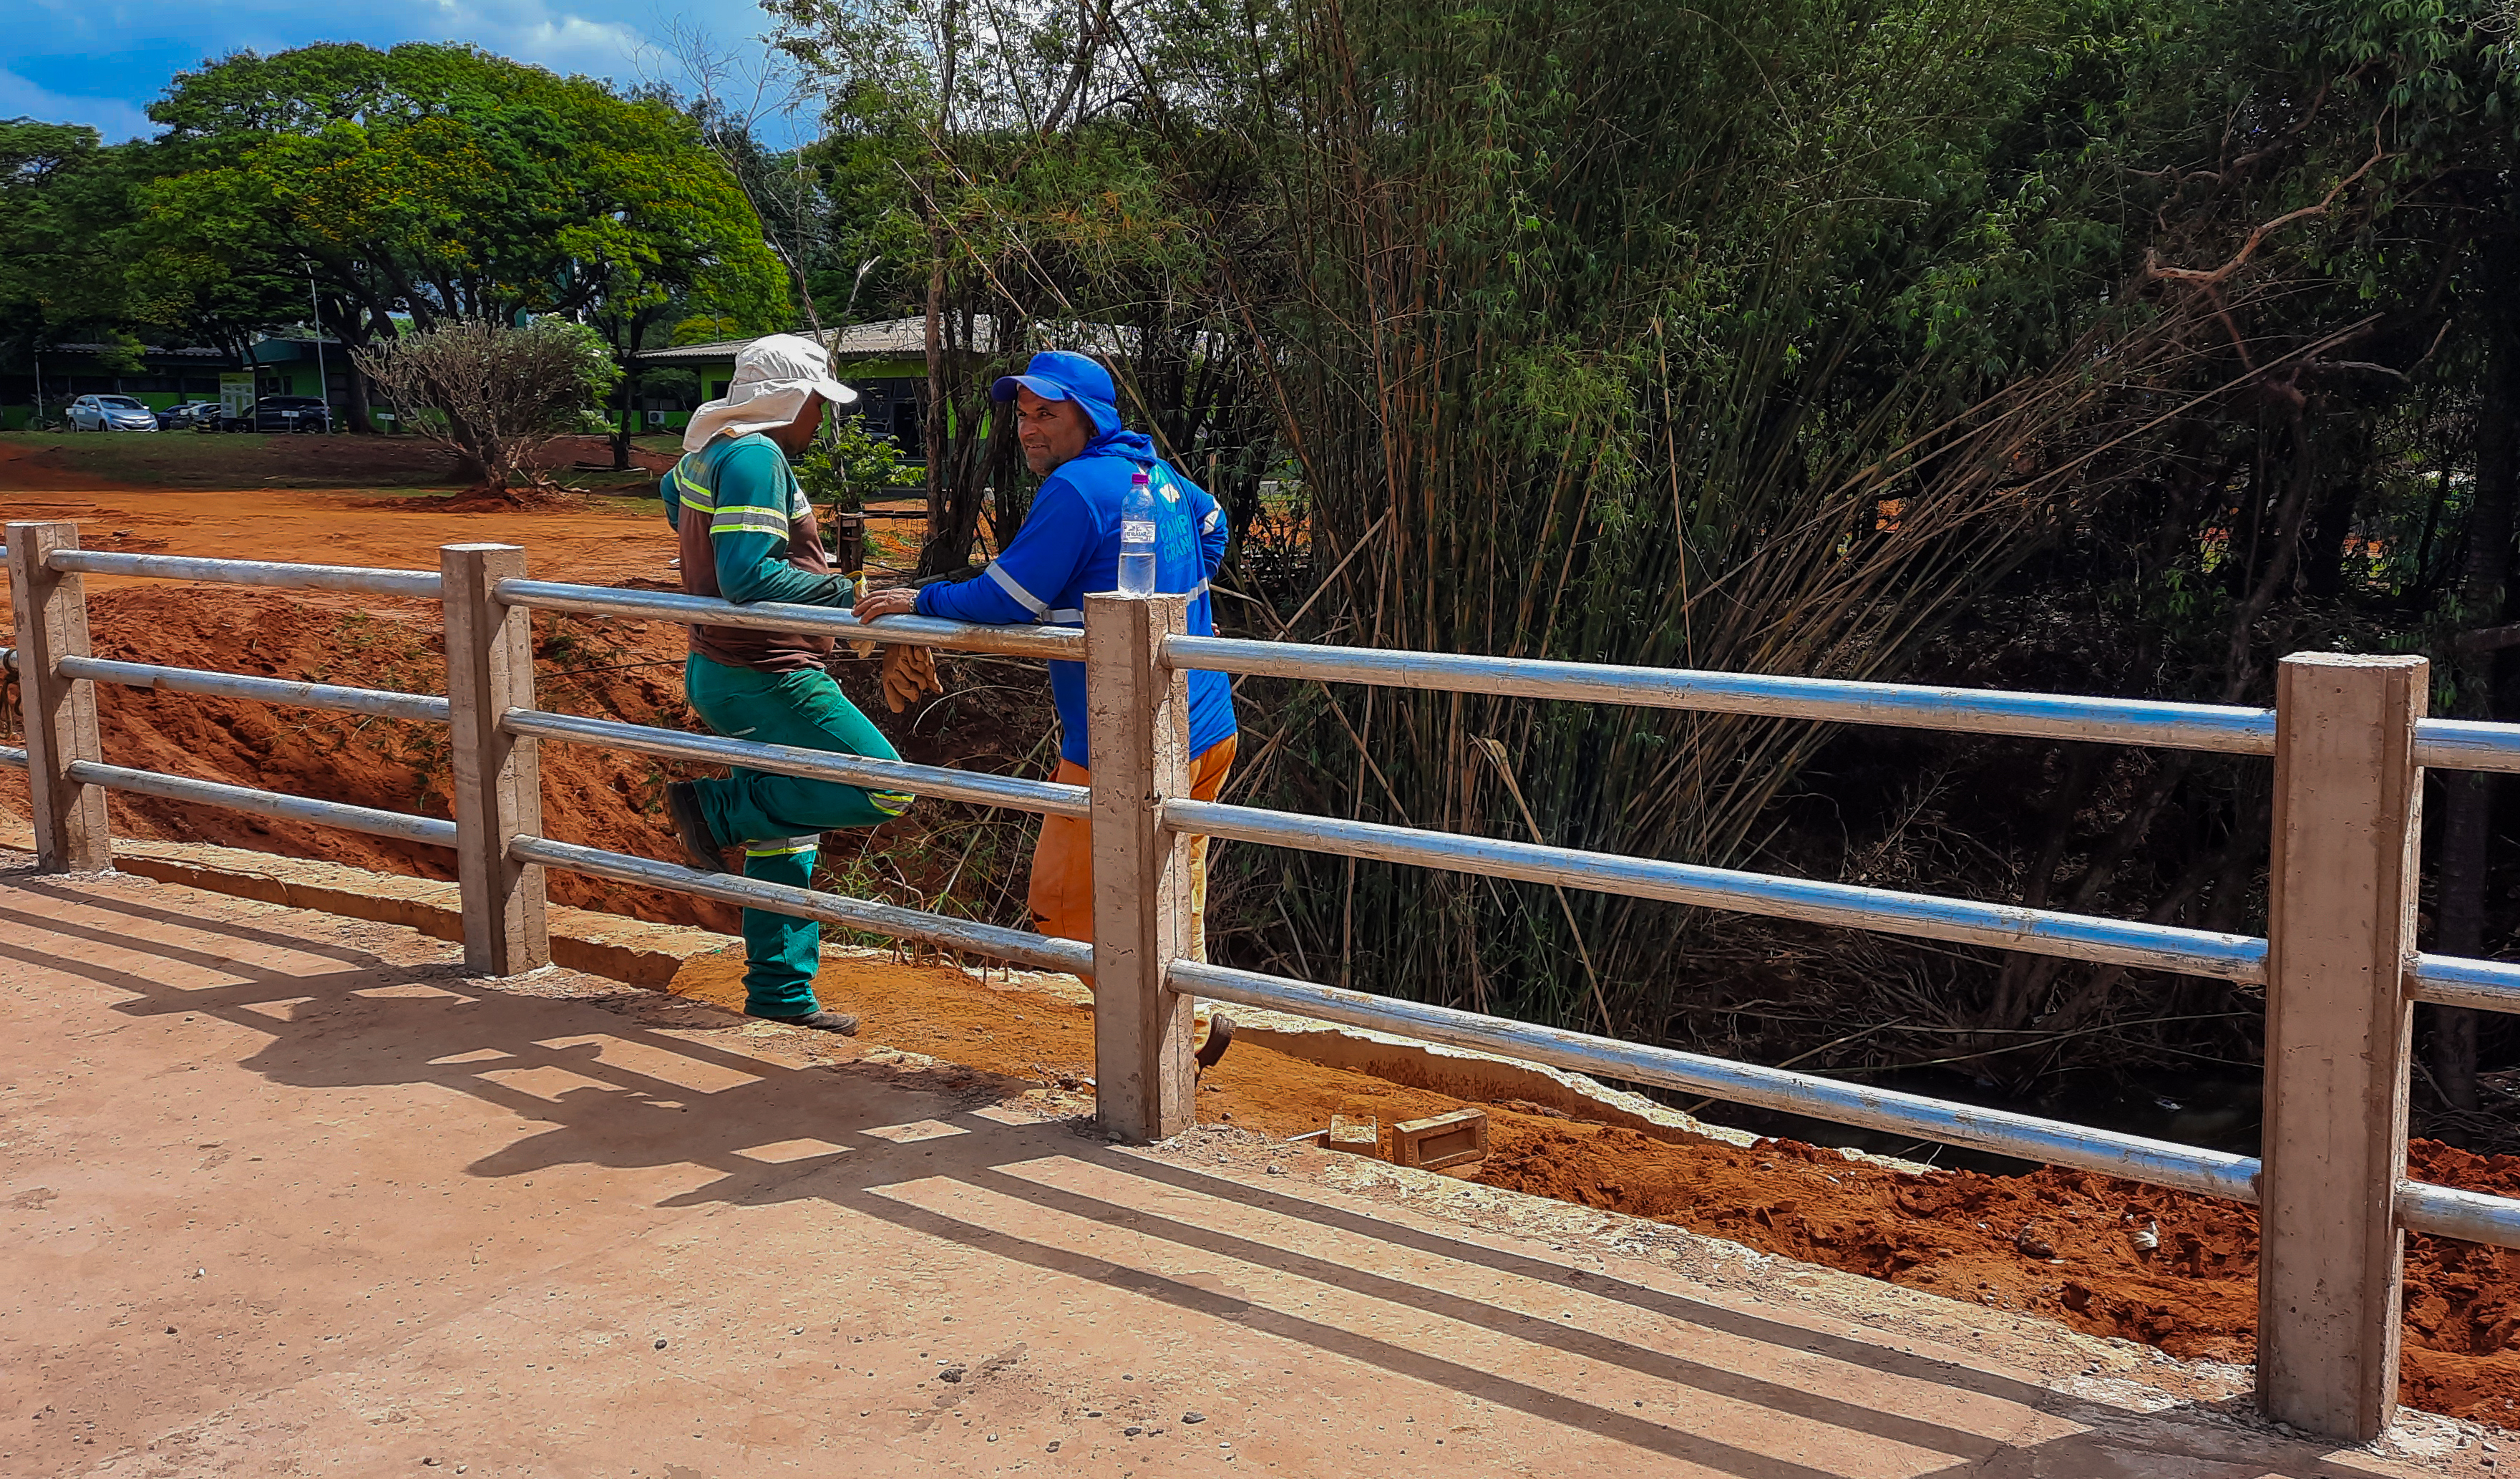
(236, 460)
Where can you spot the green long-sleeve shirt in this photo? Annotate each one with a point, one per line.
(748, 535)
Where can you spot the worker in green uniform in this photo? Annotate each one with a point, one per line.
(748, 534)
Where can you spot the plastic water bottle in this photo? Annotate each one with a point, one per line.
(1138, 537)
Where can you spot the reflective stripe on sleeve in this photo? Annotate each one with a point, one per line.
(748, 520)
(780, 847)
(1023, 597)
(890, 803)
(1215, 517)
(688, 490)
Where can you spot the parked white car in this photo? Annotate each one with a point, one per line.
(111, 413)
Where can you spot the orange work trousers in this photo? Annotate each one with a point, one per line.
(1061, 897)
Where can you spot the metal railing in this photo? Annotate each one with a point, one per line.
(2339, 967)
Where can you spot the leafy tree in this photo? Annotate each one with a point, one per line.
(2110, 346)
(705, 328)
(57, 187)
(430, 183)
(848, 463)
(495, 395)
(1002, 173)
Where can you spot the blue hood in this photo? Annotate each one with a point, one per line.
(1109, 441)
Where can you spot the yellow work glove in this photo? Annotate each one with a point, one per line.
(908, 675)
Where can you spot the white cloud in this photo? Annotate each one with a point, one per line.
(535, 33)
(113, 117)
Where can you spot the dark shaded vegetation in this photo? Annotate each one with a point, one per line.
(2116, 347)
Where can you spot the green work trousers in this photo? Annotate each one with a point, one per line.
(780, 819)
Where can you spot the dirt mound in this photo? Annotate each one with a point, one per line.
(596, 452)
(2063, 1245)
(597, 797)
(594, 796)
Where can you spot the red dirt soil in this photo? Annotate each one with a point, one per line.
(592, 796)
(1988, 1239)
(622, 670)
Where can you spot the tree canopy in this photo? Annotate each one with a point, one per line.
(412, 186)
(442, 182)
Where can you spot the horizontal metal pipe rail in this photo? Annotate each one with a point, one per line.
(357, 580)
(993, 941)
(1047, 797)
(12, 757)
(263, 804)
(2467, 744)
(380, 702)
(1064, 644)
(2459, 981)
(2187, 1168)
(2004, 926)
(2440, 743)
(2452, 1212)
(1984, 711)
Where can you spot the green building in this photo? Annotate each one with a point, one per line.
(289, 367)
(169, 376)
(163, 378)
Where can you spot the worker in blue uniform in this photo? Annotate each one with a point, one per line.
(1068, 426)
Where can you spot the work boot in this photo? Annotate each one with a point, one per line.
(690, 825)
(820, 1021)
(1220, 1035)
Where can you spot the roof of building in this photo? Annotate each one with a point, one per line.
(191, 352)
(885, 339)
(907, 338)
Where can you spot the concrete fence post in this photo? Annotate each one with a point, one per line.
(498, 776)
(2340, 935)
(51, 611)
(1138, 719)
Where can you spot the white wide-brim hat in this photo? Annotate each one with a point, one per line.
(773, 376)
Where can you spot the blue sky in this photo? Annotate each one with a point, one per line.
(100, 64)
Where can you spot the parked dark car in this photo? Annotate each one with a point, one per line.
(291, 413)
(188, 415)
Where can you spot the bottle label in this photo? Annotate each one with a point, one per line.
(1136, 531)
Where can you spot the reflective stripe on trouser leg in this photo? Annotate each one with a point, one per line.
(780, 951)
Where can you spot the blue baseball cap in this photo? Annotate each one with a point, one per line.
(1059, 375)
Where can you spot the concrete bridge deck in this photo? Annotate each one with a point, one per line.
(287, 1195)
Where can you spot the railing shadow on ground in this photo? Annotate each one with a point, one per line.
(647, 1118)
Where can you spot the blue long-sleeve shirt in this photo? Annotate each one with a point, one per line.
(1071, 544)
